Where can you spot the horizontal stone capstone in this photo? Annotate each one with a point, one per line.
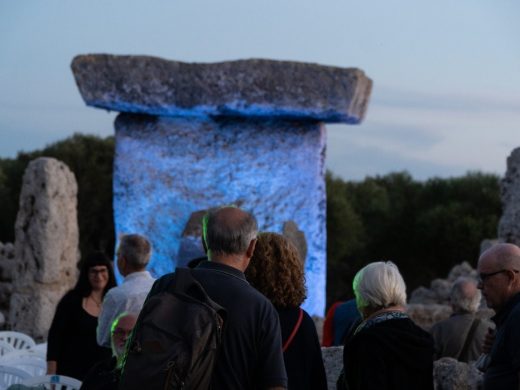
(243, 88)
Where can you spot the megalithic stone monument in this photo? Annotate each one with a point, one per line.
(195, 136)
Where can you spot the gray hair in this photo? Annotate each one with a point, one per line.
(136, 250)
(464, 295)
(228, 230)
(379, 285)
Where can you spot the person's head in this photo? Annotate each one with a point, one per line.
(230, 235)
(498, 274)
(277, 271)
(120, 331)
(96, 273)
(379, 286)
(464, 295)
(133, 254)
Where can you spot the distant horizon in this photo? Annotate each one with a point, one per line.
(334, 174)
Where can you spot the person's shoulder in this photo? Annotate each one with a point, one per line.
(70, 297)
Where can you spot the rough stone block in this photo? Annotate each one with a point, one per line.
(46, 246)
(333, 361)
(244, 88)
(450, 374)
(168, 168)
(508, 227)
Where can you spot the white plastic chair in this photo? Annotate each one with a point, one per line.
(50, 382)
(11, 376)
(5, 348)
(18, 340)
(41, 350)
(27, 361)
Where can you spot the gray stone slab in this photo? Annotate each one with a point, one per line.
(246, 88)
(165, 169)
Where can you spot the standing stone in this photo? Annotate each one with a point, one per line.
(46, 245)
(168, 168)
(197, 136)
(509, 225)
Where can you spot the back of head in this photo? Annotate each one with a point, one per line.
(136, 250)
(379, 285)
(464, 295)
(277, 271)
(228, 231)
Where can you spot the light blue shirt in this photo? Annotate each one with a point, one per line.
(128, 297)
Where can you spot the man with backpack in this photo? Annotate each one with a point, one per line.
(240, 349)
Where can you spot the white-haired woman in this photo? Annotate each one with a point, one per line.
(387, 351)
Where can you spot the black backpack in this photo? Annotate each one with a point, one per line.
(175, 341)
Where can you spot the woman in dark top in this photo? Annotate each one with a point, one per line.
(276, 270)
(388, 351)
(72, 346)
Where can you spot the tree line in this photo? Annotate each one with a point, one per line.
(425, 227)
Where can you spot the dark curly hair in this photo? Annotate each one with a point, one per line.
(276, 270)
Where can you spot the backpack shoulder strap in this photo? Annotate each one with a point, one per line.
(463, 352)
(294, 331)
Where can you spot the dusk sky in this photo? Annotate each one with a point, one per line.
(446, 95)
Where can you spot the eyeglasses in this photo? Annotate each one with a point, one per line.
(94, 271)
(483, 276)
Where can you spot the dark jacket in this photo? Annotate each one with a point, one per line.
(393, 354)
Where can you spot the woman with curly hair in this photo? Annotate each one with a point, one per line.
(276, 270)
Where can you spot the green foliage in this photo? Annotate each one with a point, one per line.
(91, 159)
(424, 227)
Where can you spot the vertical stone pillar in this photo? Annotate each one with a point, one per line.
(509, 224)
(46, 245)
(195, 136)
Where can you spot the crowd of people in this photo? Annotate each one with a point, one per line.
(267, 341)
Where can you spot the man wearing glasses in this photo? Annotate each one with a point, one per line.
(499, 280)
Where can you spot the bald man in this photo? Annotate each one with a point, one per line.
(499, 280)
(461, 336)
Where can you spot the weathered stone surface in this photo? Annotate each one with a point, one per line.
(439, 291)
(425, 315)
(168, 168)
(244, 88)
(46, 245)
(509, 227)
(333, 361)
(291, 231)
(450, 374)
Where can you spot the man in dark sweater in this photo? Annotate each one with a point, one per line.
(250, 355)
(499, 280)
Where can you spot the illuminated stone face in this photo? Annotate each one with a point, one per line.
(168, 168)
(177, 159)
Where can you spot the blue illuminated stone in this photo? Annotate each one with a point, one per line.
(167, 168)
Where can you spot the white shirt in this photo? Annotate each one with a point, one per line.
(128, 297)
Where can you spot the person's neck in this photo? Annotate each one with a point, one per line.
(132, 271)
(376, 312)
(236, 261)
(97, 295)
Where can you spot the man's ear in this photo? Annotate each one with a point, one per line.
(251, 248)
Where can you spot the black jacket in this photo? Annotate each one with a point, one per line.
(393, 354)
